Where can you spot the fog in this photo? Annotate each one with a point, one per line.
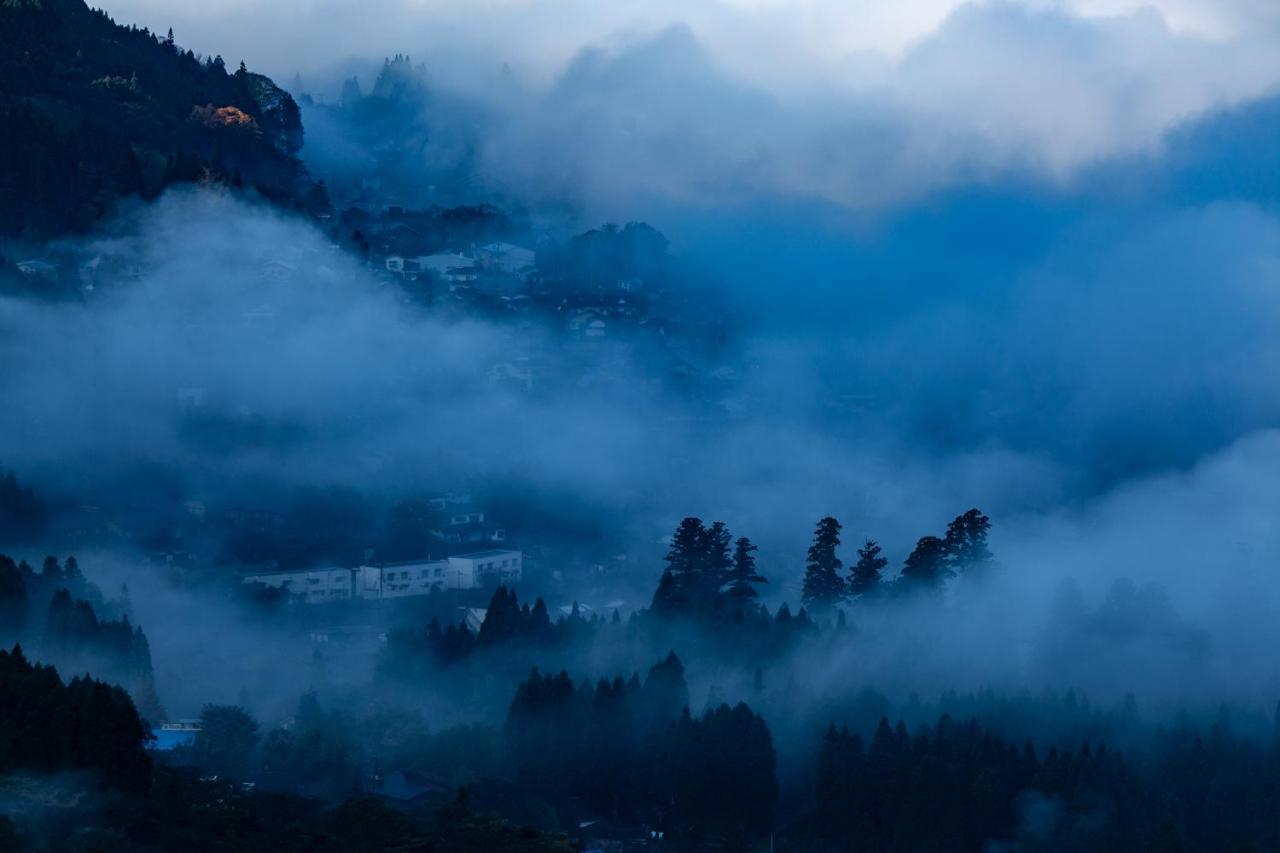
(621, 106)
(1007, 288)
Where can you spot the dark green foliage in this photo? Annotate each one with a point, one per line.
(666, 693)
(725, 780)
(823, 585)
(24, 518)
(410, 653)
(960, 787)
(744, 577)
(226, 739)
(320, 526)
(183, 813)
(926, 567)
(602, 257)
(47, 726)
(966, 540)
(10, 839)
(93, 112)
(633, 751)
(701, 573)
(319, 753)
(503, 619)
(867, 574)
(14, 603)
(687, 560)
(78, 640)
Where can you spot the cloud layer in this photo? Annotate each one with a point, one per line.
(858, 104)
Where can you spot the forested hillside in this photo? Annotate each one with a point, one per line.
(93, 111)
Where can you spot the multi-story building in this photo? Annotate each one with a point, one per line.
(488, 568)
(397, 580)
(314, 585)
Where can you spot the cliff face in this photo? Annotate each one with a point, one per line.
(91, 111)
(282, 120)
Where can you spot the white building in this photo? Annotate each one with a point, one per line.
(411, 577)
(314, 585)
(398, 580)
(466, 571)
(489, 568)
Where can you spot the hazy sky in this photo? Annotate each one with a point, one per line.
(1042, 237)
(859, 102)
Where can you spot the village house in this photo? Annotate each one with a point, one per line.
(508, 258)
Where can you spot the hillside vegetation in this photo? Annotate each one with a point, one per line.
(92, 111)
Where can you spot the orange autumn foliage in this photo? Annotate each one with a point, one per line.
(231, 118)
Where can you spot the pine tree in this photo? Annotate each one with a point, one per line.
(966, 542)
(716, 564)
(72, 574)
(539, 619)
(926, 567)
(823, 586)
(501, 619)
(866, 575)
(744, 577)
(681, 586)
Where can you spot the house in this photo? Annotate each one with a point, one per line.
(450, 268)
(463, 524)
(400, 239)
(586, 611)
(471, 533)
(170, 736)
(589, 323)
(507, 257)
(472, 617)
(442, 502)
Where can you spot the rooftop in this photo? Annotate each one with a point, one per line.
(425, 561)
(484, 555)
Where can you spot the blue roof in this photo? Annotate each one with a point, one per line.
(167, 739)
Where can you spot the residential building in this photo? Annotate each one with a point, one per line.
(314, 585)
(397, 580)
(489, 568)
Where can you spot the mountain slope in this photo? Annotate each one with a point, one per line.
(91, 111)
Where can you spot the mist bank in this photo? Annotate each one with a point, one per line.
(861, 106)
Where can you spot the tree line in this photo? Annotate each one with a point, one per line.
(631, 750)
(47, 725)
(55, 612)
(708, 571)
(963, 787)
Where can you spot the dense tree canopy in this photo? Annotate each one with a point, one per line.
(93, 112)
(46, 725)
